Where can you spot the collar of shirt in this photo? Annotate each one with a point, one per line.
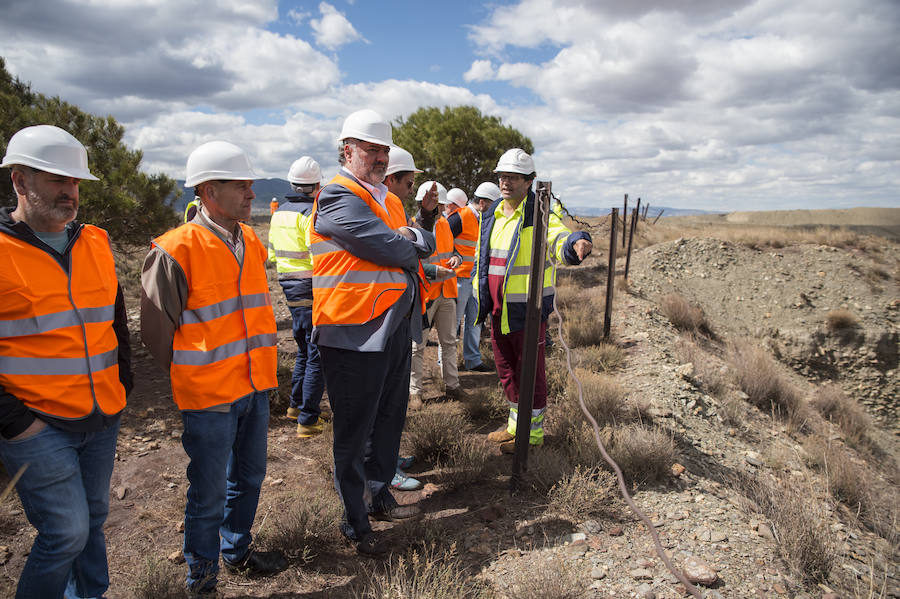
(379, 192)
(233, 239)
(473, 209)
(519, 212)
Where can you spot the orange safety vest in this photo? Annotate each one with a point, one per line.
(347, 289)
(441, 256)
(273, 206)
(466, 242)
(225, 346)
(58, 351)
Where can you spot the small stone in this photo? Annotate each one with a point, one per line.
(698, 572)
(641, 574)
(779, 588)
(176, 557)
(677, 469)
(615, 531)
(765, 530)
(598, 573)
(575, 537)
(755, 462)
(685, 371)
(276, 482)
(120, 492)
(179, 526)
(645, 591)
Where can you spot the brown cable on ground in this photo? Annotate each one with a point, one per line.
(693, 590)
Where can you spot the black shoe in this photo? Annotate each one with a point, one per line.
(371, 545)
(481, 368)
(398, 512)
(258, 563)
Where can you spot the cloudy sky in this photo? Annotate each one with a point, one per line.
(712, 104)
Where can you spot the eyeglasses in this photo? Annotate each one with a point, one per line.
(510, 177)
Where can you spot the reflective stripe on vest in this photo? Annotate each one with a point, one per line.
(443, 252)
(225, 346)
(289, 245)
(348, 290)
(58, 349)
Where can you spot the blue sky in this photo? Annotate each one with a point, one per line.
(714, 104)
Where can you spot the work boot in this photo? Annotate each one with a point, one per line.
(398, 512)
(457, 393)
(292, 413)
(509, 447)
(258, 563)
(415, 401)
(500, 435)
(481, 368)
(371, 545)
(304, 431)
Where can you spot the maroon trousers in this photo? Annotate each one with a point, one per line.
(508, 350)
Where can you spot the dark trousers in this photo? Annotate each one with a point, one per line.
(508, 350)
(368, 392)
(307, 380)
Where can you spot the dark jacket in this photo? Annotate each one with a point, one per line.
(15, 416)
(297, 289)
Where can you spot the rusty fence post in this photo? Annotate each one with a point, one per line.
(624, 220)
(631, 232)
(611, 274)
(658, 215)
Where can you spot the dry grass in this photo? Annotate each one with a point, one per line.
(708, 373)
(547, 467)
(840, 319)
(603, 396)
(426, 574)
(683, 315)
(645, 454)
(434, 433)
(581, 447)
(768, 388)
(600, 357)
(557, 578)
(466, 464)
(486, 403)
(800, 523)
(159, 579)
(733, 411)
(583, 323)
(585, 493)
(302, 527)
(834, 405)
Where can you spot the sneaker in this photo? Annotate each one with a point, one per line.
(371, 545)
(500, 435)
(404, 482)
(509, 447)
(404, 462)
(457, 393)
(258, 563)
(304, 431)
(415, 401)
(292, 413)
(481, 368)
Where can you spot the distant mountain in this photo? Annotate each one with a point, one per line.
(265, 190)
(651, 213)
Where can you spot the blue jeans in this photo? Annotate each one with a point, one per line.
(307, 380)
(65, 495)
(467, 308)
(368, 392)
(227, 452)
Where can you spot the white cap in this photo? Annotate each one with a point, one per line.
(457, 196)
(488, 191)
(399, 160)
(424, 187)
(305, 171)
(50, 149)
(367, 125)
(515, 161)
(218, 160)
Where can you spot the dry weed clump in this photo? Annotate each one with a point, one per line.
(427, 574)
(159, 579)
(685, 316)
(603, 396)
(601, 357)
(834, 405)
(466, 464)
(733, 411)
(841, 319)
(585, 493)
(434, 433)
(557, 578)
(707, 373)
(547, 467)
(767, 387)
(799, 523)
(645, 454)
(581, 446)
(582, 325)
(486, 403)
(304, 527)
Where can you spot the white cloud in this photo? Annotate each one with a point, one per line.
(481, 70)
(333, 30)
(298, 16)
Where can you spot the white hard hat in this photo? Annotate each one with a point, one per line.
(305, 171)
(218, 160)
(399, 161)
(50, 149)
(367, 125)
(488, 191)
(515, 161)
(457, 196)
(424, 187)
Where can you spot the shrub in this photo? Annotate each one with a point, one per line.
(486, 403)
(733, 411)
(834, 405)
(841, 319)
(424, 574)
(547, 467)
(766, 385)
(707, 372)
(434, 433)
(581, 446)
(160, 579)
(600, 357)
(303, 527)
(586, 492)
(603, 396)
(466, 464)
(645, 454)
(683, 315)
(556, 578)
(804, 539)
